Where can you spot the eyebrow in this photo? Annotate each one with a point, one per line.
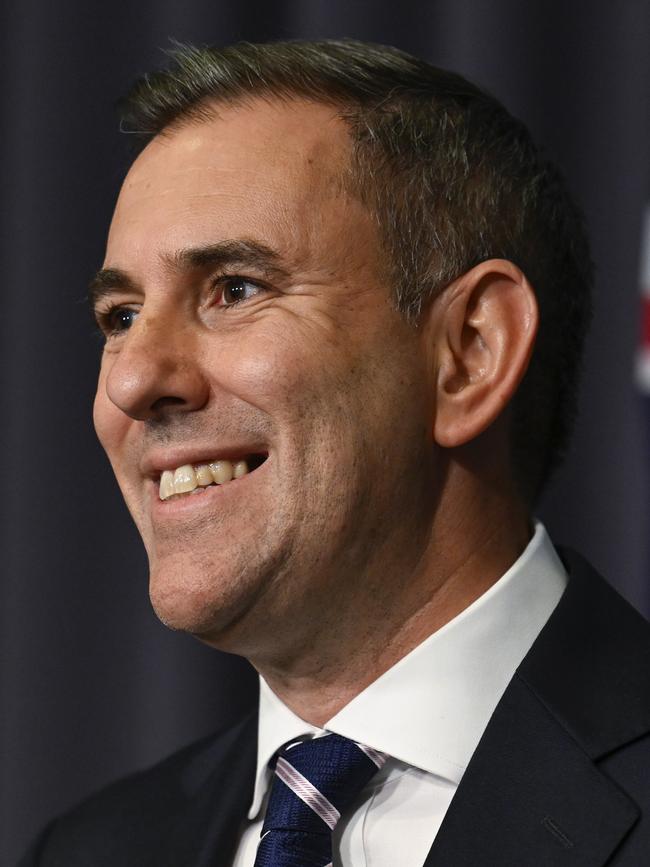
(244, 252)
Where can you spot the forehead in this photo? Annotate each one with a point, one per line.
(271, 169)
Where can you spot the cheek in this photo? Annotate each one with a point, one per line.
(273, 370)
(313, 381)
(113, 429)
(111, 425)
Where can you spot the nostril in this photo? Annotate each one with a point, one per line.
(164, 402)
(151, 379)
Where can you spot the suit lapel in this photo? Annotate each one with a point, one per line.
(533, 793)
(226, 797)
(531, 796)
(217, 786)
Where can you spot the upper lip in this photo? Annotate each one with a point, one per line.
(156, 461)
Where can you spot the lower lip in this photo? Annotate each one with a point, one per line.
(211, 496)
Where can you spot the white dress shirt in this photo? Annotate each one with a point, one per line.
(428, 712)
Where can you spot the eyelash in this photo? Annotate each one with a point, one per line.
(225, 279)
(106, 318)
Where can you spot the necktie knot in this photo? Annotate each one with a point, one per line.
(315, 782)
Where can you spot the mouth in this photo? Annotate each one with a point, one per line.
(194, 479)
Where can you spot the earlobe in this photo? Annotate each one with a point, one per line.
(486, 322)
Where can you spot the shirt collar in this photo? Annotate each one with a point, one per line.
(277, 724)
(431, 708)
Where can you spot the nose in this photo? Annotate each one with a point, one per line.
(157, 371)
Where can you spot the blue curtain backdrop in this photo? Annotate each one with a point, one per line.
(91, 686)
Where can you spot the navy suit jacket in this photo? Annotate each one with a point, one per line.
(560, 777)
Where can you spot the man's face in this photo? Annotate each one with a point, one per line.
(253, 319)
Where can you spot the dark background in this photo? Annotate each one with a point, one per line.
(90, 684)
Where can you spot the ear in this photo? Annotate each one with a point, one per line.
(483, 329)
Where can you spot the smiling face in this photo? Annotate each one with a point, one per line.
(246, 315)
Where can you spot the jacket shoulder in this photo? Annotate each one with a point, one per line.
(590, 665)
(139, 818)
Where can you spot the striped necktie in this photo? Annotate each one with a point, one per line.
(315, 782)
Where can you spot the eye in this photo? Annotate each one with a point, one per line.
(116, 320)
(237, 289)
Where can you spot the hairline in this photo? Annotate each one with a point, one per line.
(349, 174)
(424, 249)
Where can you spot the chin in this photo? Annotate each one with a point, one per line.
(208, 605)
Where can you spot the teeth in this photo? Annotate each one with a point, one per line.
(184, 479)
(167, 485)
(203, 475)
(187, 478)
(240, 469)
(221, 472)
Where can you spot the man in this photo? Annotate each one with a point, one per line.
(344, 301)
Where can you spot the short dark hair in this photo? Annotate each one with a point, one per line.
(451, 178)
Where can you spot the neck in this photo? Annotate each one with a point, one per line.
(465, 555)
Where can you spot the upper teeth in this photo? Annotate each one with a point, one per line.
(187, 478)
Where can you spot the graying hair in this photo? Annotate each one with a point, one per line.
(451, 178)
